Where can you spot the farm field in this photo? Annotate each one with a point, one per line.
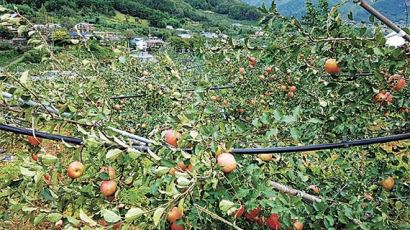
(302, 125)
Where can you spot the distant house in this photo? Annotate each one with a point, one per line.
(259, 33)
(49, 27)
(154, 42)
(138, 43)
(11, 28)
(183, 30)
(185, 36)
(144, 57)
(19, 41)
(53, 26)
(109, 36)
(169, 27)
(82, 35)
(209, 35)
(85, 27)
(224, 36)
(39, 27)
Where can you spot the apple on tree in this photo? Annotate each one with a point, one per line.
(108, 187)
(174, 214)
(227, 162)
(34, 141)
(332, 67)
(75, 170)
(171, 137)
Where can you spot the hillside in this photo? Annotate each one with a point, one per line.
(159, 12)
(394, 9)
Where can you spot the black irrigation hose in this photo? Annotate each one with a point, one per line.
(213, 88)
(126, 97)
(366, 74)
(185, 90)
(29, 132)
(343, 144)
(54, 137)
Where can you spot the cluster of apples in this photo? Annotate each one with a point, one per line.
(397, 82)
(272, 221)
(107, 187)
(173, 216)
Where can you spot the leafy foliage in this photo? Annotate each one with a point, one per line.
(259, 111)
(159, 12)
(393, 9)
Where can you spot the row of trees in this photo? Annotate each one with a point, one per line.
(159, 12)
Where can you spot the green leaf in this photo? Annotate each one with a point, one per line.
(133, 214)
(27, 172)
(54, 217)
(330, 221)
(225, 205)
(46, 194)
(28, 209)
(48, 159)
(111, 216)
(378, 51)
(113, 154)
(73, 221)
(39, 218)
(24, 77)
(84, 217)
(133, 153)
(183, 182)
(104, 176)
(289, 119)
(157, 215)
(160, 170)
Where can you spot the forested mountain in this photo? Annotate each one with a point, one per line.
(158, 12)
(394, 9)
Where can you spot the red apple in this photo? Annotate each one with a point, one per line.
(34, 141)
(240, 211)
(273, 221)
(171, 137)
(176, 226)
(75, 170)
(227, 162)
(254, 213)
(268, 70)
(252, 61)
(34, 157)
(297, 225)
(401, 83)
(241, 70)
(266, 157)
(173, 215)
(108, 187)
(182, 166)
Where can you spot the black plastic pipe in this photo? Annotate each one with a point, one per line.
(343, 144)
(29, 132)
